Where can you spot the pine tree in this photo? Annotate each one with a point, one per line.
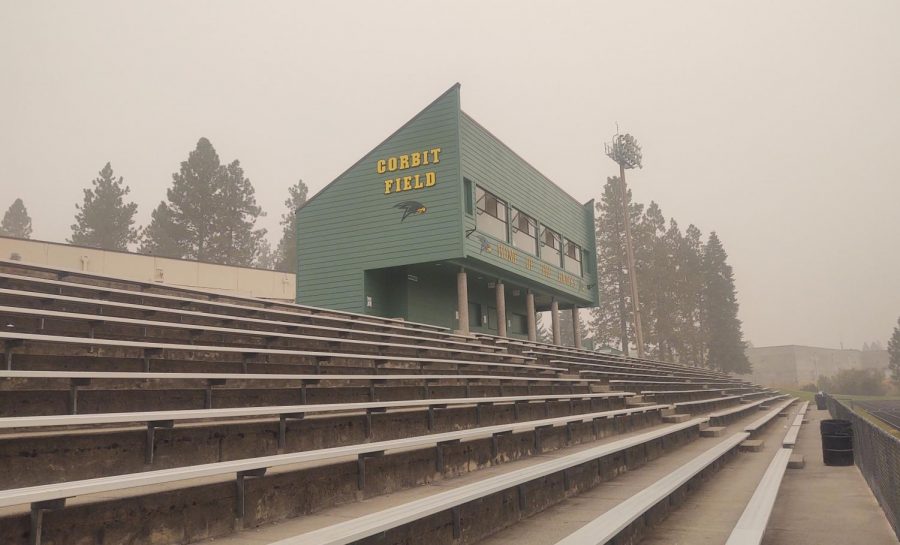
(190, 210)
(104, 220)
(672, 347)
(894, 354)
(543, 332)
(652, 264)
(163, 237)
(233, 239)
(265, 257)
(566, 331)
(725, 345)
(210, 214)
(688, 297)
(286, 253)
(16, 222)
(610, 321)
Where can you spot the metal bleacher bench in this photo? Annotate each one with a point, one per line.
(608, 525)
(153, 348)
(790, 438)
(589, 358)
(705, 401)
(230, 318)
(701, 391)
(94, 319)
(752, 524)
(166, 419)
(79, 379)
(623, 373)
(751, 527)
(760, 422)
(744, 407)
(450, 500)
(53, 496)
(656, 371)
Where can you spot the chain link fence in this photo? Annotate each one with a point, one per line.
(877, 454)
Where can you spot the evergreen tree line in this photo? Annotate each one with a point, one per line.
(894, 355)
(688, 301)
(209, 214)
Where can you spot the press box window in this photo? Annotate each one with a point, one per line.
(572, 259)
(524, 232)
(551, 246)
(491, 214)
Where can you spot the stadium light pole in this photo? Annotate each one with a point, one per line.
(625, 151)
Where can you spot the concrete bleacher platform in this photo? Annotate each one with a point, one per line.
(137, 413)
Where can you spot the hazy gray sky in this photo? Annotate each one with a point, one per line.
(775, 124)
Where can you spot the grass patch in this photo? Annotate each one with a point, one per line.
(799, 394)
(876, 422)
(865, 398)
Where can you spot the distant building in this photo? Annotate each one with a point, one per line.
(444, 224)
(794, 365)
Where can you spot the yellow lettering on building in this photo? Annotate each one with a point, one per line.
(509, 254)
(414, 159)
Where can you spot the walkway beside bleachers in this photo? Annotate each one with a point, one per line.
(822, 504)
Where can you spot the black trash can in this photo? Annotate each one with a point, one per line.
(837, 442)
(820, 401)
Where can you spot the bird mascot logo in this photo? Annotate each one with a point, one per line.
(411, 208)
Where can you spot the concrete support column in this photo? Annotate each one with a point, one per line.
(554, 320)
(462, 301)
(529, 314)
(576, 327)
(501, 309)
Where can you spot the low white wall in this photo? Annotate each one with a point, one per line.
(176, 272)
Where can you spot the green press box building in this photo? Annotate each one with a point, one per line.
(443, 224)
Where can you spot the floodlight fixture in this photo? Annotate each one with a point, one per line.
(624, 150)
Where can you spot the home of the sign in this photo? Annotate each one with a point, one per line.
(416, 159)
(507, 253)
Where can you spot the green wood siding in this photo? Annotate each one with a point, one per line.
(489, 163)
(352, 225)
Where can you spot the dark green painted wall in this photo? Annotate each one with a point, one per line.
(487, 162)
(351, 225)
